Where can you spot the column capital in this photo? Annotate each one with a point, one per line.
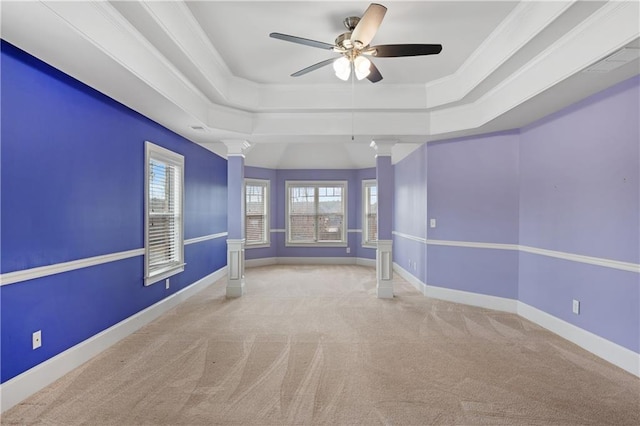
(383, 147)
(236, 147)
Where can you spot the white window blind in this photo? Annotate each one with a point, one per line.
(370, 212)
(257, 212)
(316, 213)
(164, 242)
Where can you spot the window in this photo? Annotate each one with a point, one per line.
(316, 213)
(257, 213)
(164, 240)
(370, 212)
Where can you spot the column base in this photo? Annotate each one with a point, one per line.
(235, 290)
(384, 292)
(235, 268)
(384, 269)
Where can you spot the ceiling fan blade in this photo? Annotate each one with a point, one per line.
(397, 50)
(313, 67)
(368, 26)
(300, 40)
(374, 75)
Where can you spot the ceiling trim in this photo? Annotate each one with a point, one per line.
(575, 51)
(524, 23)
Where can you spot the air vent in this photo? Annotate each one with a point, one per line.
(198, 128)
(615, 60)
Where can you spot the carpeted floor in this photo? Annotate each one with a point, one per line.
(313, 345)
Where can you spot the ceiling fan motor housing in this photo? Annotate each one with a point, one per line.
(351, 22)
(344, 41)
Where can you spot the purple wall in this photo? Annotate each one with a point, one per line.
(235, 199)
(410, 212)
(385, 178)
(579, 193)
(579, 177)
(472, 192)
(472, 187)
(570, 183)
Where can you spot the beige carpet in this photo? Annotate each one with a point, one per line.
(313, 345)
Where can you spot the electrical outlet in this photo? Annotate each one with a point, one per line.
(348, 250)
(576, 307)
(166, 284)
(36, 339)
(432, 223)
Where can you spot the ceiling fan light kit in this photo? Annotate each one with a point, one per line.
(355, 43)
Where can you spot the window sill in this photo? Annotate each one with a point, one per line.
(370, 245)
(257, 245)
(161, 275)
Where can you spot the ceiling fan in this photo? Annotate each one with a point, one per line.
(354, 47)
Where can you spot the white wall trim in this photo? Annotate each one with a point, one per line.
(410, 237)
(265, 261)
(591, 260)
(458, 296)
(352, 231)
(57, 268)
(22, 386)
(474, 299)
(252, 263)
(278, 230)
(316, 260)
(412, 279)
(605, 349)
(205, 238)
(598, 261)
(472, 244)
(363, 261)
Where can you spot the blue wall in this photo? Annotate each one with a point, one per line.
(72, 187)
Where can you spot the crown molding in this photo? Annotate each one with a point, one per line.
(250, 109)
(573, 52)
(524, 23)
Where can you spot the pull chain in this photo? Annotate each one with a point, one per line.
(353, 102)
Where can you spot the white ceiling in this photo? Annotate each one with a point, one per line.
(212, 64)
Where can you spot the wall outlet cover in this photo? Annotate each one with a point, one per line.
(36, 339)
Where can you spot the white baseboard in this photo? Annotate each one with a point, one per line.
(252, 263)
(363, 261)
(617, 355)
(22, 386)
(412, 279)
(316, 260)
(266, 261)
(474, 299)
(605, 349)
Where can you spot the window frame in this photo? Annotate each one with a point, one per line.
(266, 183)
(366, 241)
(156, 152)
(343, 242)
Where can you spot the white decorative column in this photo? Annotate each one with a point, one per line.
(235, 216)
(384, 252)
